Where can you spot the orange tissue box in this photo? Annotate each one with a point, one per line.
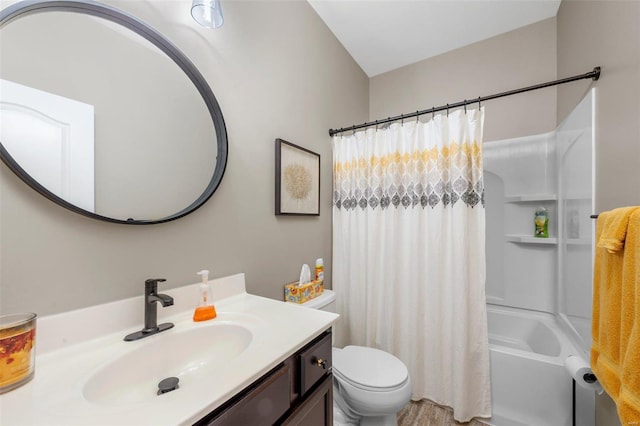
(304, 293)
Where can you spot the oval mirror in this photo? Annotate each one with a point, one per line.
(103, 115)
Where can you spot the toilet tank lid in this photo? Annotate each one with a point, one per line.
(321, 301)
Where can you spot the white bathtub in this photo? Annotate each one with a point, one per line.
(529, 385)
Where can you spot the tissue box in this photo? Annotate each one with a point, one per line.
(295, 294)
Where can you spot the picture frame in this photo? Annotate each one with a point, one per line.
(297, 180)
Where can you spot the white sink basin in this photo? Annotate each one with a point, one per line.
(188, 355)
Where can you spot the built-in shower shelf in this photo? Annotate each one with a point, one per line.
(578, 197)
(528, 239)
(578, 241)
(530, 198)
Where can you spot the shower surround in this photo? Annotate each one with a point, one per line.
(539, 287)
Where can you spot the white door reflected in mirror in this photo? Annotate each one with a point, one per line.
(52, 138)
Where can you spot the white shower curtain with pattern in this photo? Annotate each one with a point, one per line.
(409, 255)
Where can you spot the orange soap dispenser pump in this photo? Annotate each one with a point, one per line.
(206, 310)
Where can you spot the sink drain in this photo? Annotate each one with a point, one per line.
(167, 385)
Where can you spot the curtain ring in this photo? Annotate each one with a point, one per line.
(402, 119)
(479, 104)
(433, 112)
(417, 116)
(376, 125)
(465, 106)
(447, 110)
(353, 127)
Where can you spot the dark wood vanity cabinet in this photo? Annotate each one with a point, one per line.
(299, 391)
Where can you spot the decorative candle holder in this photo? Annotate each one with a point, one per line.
(17, 350)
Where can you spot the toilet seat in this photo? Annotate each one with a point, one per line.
(369, 369)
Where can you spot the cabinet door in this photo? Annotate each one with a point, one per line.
(317, 408)
(262, 405)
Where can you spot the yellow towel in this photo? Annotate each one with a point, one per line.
(615, 351)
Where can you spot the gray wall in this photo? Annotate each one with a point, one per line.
(606, 33)
(277, 72)
(515, 59)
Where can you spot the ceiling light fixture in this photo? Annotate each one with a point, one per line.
(207, 13)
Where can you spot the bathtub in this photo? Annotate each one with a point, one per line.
(529, 385)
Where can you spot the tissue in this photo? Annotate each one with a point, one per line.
(305, 275)
(580, 370)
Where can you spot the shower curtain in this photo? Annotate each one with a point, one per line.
(408, 253)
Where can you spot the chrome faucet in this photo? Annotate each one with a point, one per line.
(151, 297)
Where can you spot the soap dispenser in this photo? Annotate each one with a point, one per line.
(205, 311)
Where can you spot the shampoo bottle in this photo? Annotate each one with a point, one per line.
(541, 223)
(205, 311)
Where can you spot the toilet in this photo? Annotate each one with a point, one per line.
(369, 385)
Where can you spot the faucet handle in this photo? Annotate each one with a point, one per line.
(151, 285)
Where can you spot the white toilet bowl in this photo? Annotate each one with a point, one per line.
(369, 385)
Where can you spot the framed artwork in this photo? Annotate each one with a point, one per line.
(297, 180)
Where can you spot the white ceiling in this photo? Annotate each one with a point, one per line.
(382, 35)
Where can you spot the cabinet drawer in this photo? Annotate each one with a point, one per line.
(262, 405)
(315, 363)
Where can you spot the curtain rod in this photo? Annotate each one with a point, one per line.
(594, 75)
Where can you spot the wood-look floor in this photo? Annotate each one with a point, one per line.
(427, 413)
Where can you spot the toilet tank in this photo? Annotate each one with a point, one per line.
(325, 302)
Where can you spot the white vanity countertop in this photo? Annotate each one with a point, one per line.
(73, 346)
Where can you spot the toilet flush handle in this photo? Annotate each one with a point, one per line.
(321, 363)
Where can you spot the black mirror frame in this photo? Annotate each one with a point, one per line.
(109, 13)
